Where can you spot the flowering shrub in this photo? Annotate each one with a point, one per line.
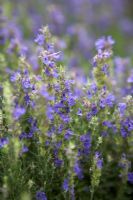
(59, 138)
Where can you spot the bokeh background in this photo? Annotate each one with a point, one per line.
(77, 24)
(83, 20)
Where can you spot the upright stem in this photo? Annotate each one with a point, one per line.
(92, 193)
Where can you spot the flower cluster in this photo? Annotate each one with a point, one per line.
(64, 138)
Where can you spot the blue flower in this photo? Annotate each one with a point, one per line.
(85, 137)
(3, 36)
(78, 171)
(30, 135)
(104, 133)
(26, 83)
(14, 76)
(128, 124)
(51, 64)
(41, 196)
(51, 131)
(71, 101)
(94, 88)
(68, 134)
(124, 133)
(89, 94)
(105, 69)
(79, 113)
(3, 142)
(58, 144)
(130, 177)
(40, 39)
(50, 48)
(45, 60)
(24, 149)
(122, 108)
(27, 99)
(89, 116)
(130, 79)
(99, 161)
(56, 87)
(102, 103)
(104, 43)
(109, 100)
(50, 112)
(60, 128)
(66, 118)
(58, 162)
(108, 124)
(23, 135)
(94, 110)
(43, 91)
(55, 73)
(65, 185)
(18, 112)
(86, 140)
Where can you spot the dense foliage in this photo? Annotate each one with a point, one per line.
(63, 135)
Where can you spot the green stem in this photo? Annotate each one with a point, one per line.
(92, 193)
